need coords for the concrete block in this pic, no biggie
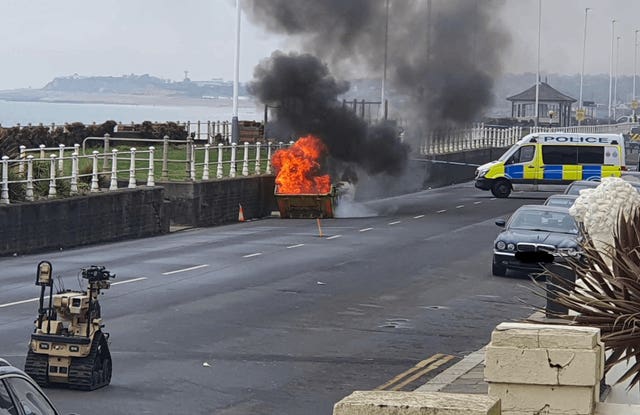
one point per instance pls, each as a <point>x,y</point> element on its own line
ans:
<point>540,399</point>
<point>416,403</point>
<point>528,335</point>
<point>543,366</point>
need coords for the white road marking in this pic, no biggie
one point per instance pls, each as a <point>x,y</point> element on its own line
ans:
<point>19,302</point>
<point>459,206</point>
<point>185,269</point>
<point>295,246</point>
<point>418,217</point>
<point>476,203</point>
<point>30,300</point>
<point>441,211</point>
<point>252,255</point>
<point>128,281</point>
<point>365,229</point>
<point>395,223</point>
<point>493,198</point>
<point>334,237</point>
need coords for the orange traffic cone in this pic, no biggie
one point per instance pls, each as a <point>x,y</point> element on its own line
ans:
<point>240,214</point>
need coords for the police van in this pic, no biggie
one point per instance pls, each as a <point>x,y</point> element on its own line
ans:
<point>543,160</point>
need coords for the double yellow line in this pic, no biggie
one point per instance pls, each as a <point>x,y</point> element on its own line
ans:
<point>416,372</point>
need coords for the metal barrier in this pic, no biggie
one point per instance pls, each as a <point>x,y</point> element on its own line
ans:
<point>198,162</point>
<point>478,137</point>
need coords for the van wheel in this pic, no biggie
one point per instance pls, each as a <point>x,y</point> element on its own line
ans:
<point>501,188</point>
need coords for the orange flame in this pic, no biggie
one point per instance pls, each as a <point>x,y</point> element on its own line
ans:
<point>298,167</point>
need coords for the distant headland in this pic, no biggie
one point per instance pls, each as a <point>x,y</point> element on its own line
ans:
<point>128,89</point>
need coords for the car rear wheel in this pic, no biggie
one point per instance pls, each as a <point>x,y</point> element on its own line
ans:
<point>501,188</point>
<point>498,270</point>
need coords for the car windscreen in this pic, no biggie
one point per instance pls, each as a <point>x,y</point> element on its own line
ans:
<point>543,220</point>
<point>574,189</point>
<point>560,202</point>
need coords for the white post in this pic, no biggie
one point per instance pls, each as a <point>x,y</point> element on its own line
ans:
<point>232,169</point>
<point>21,160</point>
<point>94,172</point>
<point>4,194</point>
<point>192,163</point>
<point>29,189</point>
<point>635,69</point>
<point>132,169</point>
<point>219,171</point>
<point>61,158</point>
<point>151,180</point>
<point>268,158</point>
<point>73,188</point>
<point>205,168</point>
<point>114,170</point>
<point>245,164</point>
<point>42,146</point>
<point>615,78</point>
<point>257,167</point>
<point>76,149</point>
<point>52,177</point>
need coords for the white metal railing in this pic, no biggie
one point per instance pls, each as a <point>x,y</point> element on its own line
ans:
<point>477,137</point>
<point>621,128</point>
<point>481,136</point>
<point>202,162</point>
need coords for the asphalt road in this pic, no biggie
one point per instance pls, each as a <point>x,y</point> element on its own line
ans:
<point>287,322</point>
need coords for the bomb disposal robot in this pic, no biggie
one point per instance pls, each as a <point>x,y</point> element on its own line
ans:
<point>68,346</point>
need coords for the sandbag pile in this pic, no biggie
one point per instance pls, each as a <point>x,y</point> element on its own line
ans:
<point>599,209</point>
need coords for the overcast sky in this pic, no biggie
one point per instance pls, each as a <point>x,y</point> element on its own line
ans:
<point>42,39</point>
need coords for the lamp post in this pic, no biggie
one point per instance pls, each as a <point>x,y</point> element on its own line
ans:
<point>584,51</point>
<point>613,37</point>
<point>235,133</point>
<point>635,73</point>
<point>537,114</point>
<point>382,112</point>
<point>615,79</point>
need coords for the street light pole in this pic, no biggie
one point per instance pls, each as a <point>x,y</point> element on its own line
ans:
<point>615,79</point>
<point>635,71</point>
<point>538,70</point>
<point>235,133</point>
<point>613,37</point>
<point>584,51</point>
<point>384,71</point>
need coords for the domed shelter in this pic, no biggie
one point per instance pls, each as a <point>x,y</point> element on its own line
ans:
<point>554,107</point>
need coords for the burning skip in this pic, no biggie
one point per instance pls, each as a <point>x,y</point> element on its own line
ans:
<point>301,191</point>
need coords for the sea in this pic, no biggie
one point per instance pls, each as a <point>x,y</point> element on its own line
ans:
<point>23,113</point>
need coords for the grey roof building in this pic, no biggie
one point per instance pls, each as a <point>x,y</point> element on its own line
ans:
<point>554,107</point>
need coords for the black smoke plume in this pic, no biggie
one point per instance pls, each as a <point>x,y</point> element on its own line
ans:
<point>304,95</point>
<point>443,54</point>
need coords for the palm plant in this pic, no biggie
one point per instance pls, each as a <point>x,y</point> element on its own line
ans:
<point>606,293</point>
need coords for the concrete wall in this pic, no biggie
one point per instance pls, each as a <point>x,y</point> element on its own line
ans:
<point>82,220</point>
<point>215,202</point>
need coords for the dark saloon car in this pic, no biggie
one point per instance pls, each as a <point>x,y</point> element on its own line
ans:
<point>535,235</point>
<point>20,395</point>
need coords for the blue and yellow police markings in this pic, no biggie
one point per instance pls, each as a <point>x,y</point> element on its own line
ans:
<point>570,172</point>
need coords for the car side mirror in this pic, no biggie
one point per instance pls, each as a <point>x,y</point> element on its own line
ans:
<point>501,223</point>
